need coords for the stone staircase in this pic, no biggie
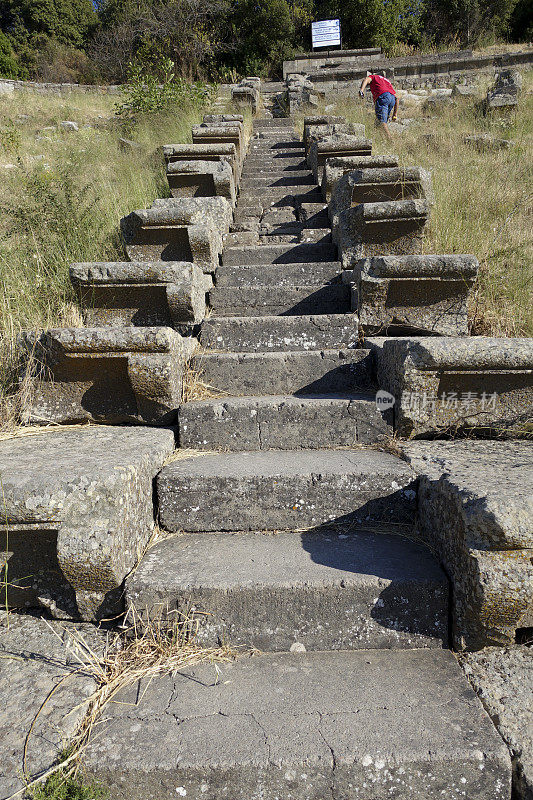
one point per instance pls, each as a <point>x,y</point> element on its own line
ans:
<point>289,523</point>
<point>295,536</point>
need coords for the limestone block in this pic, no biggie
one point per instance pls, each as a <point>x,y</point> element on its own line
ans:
<point>201,152</point>
<point>332,146</point>
<point>324,129</point>
<point>245,96</point>
<point>141,293</point>
<point>463,90</point>
<point>253,81</point>
<point>221,133</point>
<point>112,375</point>
<point>323,119</point>
<point>335,168</point>
<point>77,514</point>
<point>201,179</point>
<point>375,229</point>
<point>223,118</point>
<point>475,506</point>
<point>443,385</point>
<point>505,92</point>
<point>377,185</point>
<point>180,229</point>
<point>421,294</point>
<point>484,142</point>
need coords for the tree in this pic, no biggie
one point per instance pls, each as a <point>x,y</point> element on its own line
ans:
<point>521,22</point>
<point>67,21</point>
<point>375,23</point>
<point>468,21</point>
<point>8,63</point>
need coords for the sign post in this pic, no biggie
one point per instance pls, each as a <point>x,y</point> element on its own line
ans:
<point>326,33</point>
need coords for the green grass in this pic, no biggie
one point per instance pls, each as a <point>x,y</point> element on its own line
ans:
<point>62,200</point>
<point>59,787</point>
<point>483,201</point>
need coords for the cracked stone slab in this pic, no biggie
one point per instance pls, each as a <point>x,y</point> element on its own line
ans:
<point>290,333</point>
<point>286,490</point>
<point>281,423</point>
<point>503,679</point>
<point>475,509</point>
<point>363,588</point>
<point>36,656</point>
<point>77,513</point>
<point>368,724</point>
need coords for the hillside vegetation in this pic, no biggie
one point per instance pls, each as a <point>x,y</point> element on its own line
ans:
<point>483,198</point>
<point>62,195</point>
<point>91,42</point>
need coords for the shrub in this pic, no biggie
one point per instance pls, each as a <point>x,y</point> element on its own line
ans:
<point>8,63</point>
<point>59,787</point>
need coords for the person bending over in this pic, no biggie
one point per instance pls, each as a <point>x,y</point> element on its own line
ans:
<point>384,97</point>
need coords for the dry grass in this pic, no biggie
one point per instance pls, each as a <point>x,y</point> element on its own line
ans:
<point>194,388</point>
<point>61,198</point>
<point>139,653</point>
<point>484,200</point>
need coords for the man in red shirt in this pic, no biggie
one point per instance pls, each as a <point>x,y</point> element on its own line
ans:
<point>384,97</point>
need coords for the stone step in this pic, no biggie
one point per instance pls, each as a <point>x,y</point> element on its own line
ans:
<point>300,372</point>
<point>264,145</point>
<point>286,275</point>
<point>279,254</point>
<point>271,194</point>
<point>363,588</point>
<point>275,161</point>
<point>253,301</point>
<point>401,724</point>
<point>277,334</point>
<point>285,490</point>
<point>281,422</point>
<point>298,182</point>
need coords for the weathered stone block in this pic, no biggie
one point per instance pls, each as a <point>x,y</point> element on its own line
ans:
<point>223,118</point>
<point>322,119</point>
<point>398,294</point>
<point>201,179</point>
<point>442,385</point>
<point>180,229</point>
<point>376,229</point>
<point>504,94</point>
<point>334,146</point>
<point>245,96</point>
<point>314,133</point>
<point>221,133</point>
<point>141,293</point>
<point>106,375</point>
<point>475,506</point>
<point>77,513</point>
<point>201,152</point>
<point>335,168</point>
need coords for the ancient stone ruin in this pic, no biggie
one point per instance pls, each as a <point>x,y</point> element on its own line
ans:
<point>350,493</point>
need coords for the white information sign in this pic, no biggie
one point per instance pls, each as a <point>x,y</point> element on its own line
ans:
<point>326,33</point>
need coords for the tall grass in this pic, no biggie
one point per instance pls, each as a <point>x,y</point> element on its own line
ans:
<point>62,196</point>
<point>483,200</point>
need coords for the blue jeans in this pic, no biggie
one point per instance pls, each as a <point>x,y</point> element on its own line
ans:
<point>384,106</point>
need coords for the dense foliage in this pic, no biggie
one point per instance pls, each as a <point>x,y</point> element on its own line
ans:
<point>221,39</point>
